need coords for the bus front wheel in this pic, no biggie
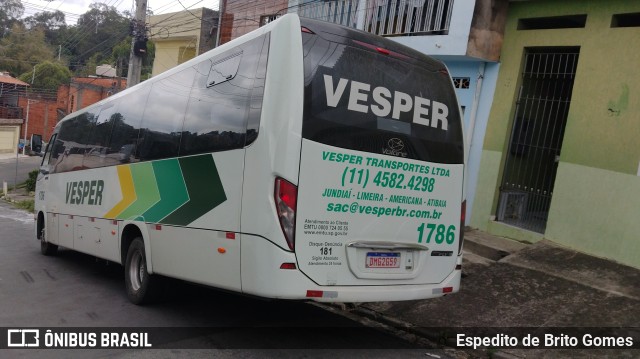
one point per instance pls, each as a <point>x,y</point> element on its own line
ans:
<point>46,248</point>
<point>140,284</point>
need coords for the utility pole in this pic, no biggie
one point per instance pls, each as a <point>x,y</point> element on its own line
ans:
<point>139,34</point>
<point>26,127</point>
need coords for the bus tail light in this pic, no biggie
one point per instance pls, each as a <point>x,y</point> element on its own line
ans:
<point>381,50</point>
<point>288,266</point>
<point>322,294</point>
<point>463,214</point>
<point>286,196</point>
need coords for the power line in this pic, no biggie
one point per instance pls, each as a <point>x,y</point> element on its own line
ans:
<point>81,35</point>
<point>163,20</point>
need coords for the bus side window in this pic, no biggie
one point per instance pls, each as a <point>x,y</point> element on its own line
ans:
<point>73,137</point>
<point>217,114</point>
<point>123,142</point>
<point>97,153</point>
<point>164,115</point>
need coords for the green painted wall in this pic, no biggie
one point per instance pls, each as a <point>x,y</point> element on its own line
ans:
<point>596,211</point>
<point>602,137</point>
<point>490,164</point>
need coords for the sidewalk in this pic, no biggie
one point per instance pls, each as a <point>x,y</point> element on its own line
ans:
<point>18,195</point>
<point>8,174</point>
<point>11,156</point>
<point>539,287</point>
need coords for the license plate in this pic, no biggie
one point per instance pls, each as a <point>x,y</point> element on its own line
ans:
<point>383,260</point>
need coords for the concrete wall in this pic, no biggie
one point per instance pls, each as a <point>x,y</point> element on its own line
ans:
<point>597,189</point>
<point>487,29</point>
<point>180,36</point>
<point>170,53</point>
<point>9,136</point>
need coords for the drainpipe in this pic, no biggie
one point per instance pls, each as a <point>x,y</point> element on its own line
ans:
<point>220,15</point>
<point>362,9</point>
<point>474,106</point>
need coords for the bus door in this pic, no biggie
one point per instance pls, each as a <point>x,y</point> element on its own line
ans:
<point>51,219</point>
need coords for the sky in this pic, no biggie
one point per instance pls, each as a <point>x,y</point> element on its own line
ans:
<point>74,8</point>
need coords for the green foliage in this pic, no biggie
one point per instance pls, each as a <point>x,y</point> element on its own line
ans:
<point>46,20</point>
<point>28,205</point>
<point>90,65</point>
<point>10,13</point>
<point>120,56</point>
<point>101,36</point>
<point>47,75</point>
<point>147,61</point>
<point>22,49</point>
<point>31,181</point>
<point>51,22</point>
<point>98,31</point>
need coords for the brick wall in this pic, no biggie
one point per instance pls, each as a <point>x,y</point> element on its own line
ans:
<point>42,116</point>
<point>44,113</point>
<point>242,16</point>
<point>85,91</point>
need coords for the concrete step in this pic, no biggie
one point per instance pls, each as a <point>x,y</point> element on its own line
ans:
<point>489,246</point>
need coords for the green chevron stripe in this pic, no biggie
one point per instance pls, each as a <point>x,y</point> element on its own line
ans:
<point>146,190</point>
<point>204,187</point>
<point>172,188</point>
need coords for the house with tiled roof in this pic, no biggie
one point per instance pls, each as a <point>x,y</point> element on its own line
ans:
<point>11,115</point>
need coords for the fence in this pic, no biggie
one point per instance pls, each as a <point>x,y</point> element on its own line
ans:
<point>10,112</point>
<point>384,17</point>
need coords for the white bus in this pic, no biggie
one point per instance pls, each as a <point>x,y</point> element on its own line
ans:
<point>304,160</point>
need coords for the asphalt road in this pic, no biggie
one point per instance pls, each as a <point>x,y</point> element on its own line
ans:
<point>75,290</point>
<point>25,165</point>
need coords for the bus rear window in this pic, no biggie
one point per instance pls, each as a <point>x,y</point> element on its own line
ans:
<point>362,99</point>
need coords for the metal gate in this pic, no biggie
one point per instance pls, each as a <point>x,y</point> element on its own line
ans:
<point>541,111</point>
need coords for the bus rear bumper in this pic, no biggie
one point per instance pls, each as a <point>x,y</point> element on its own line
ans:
<point>387,293</point>
<point>262,276</point>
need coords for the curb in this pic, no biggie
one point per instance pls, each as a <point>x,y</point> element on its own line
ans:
<point>485,251</point>
<point>431,335</point>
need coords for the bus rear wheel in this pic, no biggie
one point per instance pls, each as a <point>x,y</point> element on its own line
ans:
<point>140,284</point>
<point>46,248</point>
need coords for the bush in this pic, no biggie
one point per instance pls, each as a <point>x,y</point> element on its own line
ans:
<point>31,182</point>
<point>28,205</point>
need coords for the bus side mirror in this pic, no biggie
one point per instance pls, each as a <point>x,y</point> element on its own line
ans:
<point>36,144</point>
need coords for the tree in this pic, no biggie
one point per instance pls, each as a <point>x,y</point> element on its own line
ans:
<point>10,13</point>
<point>147,60</point>
<point>20,50</point>
<point>47,20</point>
<point>51,22</point>
<point>97,32</point>
<point>120,56</point>
<point>47,75</point>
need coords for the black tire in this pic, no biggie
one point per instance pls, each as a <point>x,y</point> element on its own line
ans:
<point>141,286</point>
<point>46,248</point>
